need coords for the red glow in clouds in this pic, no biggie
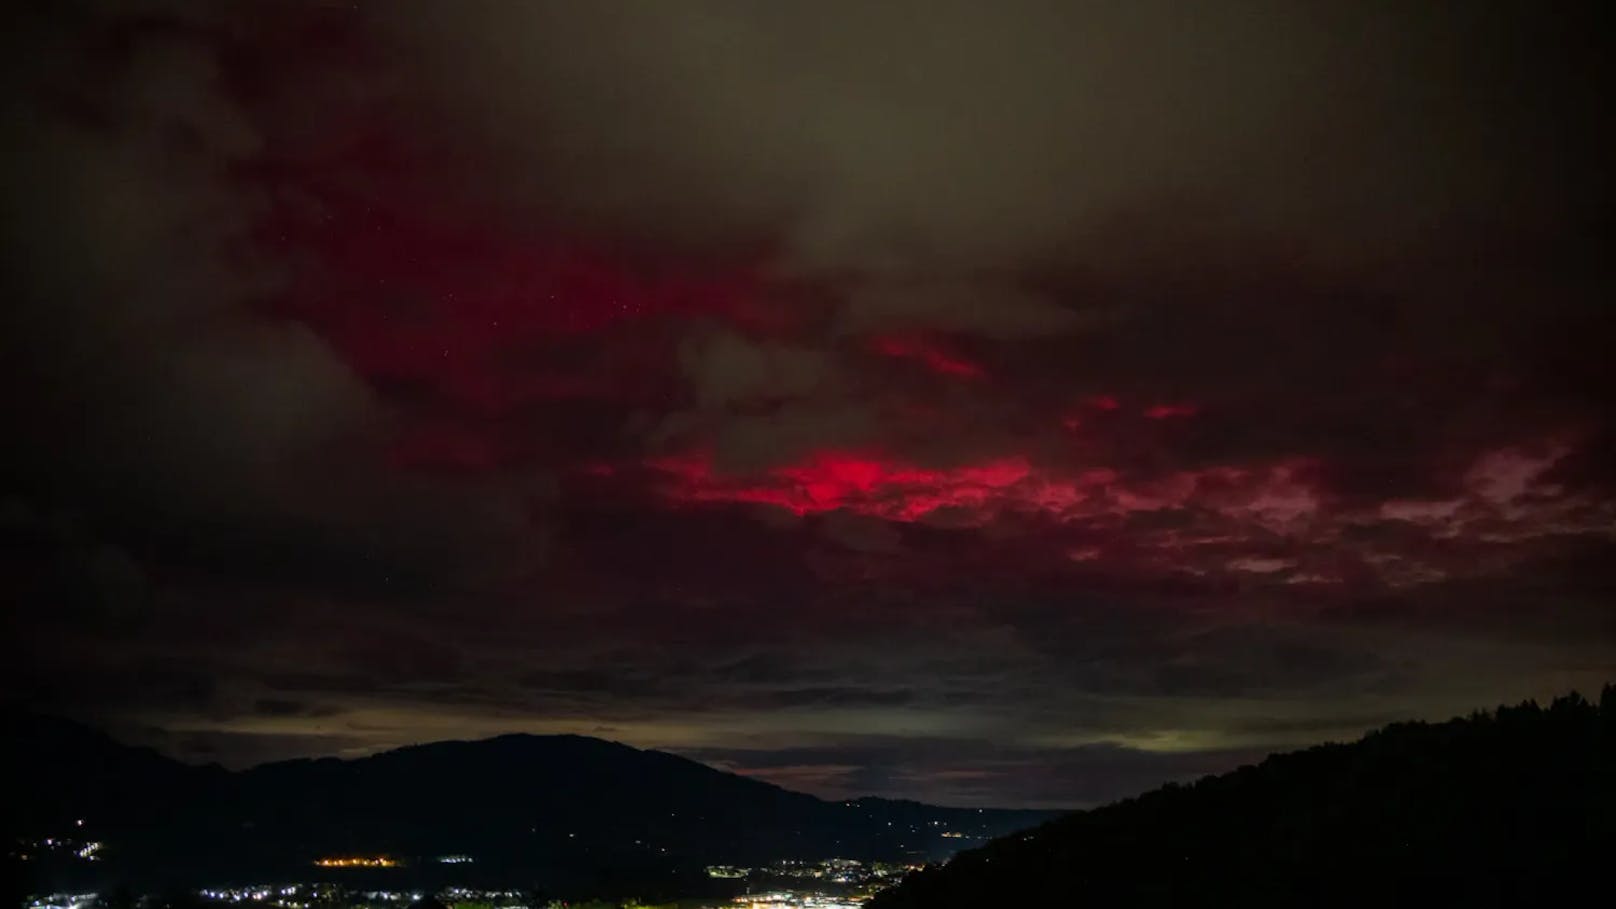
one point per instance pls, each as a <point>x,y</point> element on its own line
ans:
<point>1170,411</point>
<point>932,356</point>
<point>833,480</point>
<point>1273,495</point>
<point>464,321</point>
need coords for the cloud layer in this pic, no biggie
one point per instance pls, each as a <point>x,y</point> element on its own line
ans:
<point>1024,404</point>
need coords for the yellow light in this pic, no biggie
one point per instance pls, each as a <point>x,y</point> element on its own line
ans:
<point>379,861</point>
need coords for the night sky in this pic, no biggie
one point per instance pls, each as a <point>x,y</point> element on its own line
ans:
<point>991,403</point>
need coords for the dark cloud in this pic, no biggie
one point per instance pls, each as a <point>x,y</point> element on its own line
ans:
<point>280,707</point>
<point>237,750</point>
<point>157,398</point>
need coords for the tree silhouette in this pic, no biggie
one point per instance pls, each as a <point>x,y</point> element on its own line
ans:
<point>1511,808</point>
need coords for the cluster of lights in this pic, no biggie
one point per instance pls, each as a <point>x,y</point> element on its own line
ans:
<point>864,878</point>
<point>255,893</point>
<point>855,882</point>
<point>297,896</point>
<point>87,850</point>
<point>786,899</point>
<point>62,901</point>
<point>308,895</point>
<point>373,861</point>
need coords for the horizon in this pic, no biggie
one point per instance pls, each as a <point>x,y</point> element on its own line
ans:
<point>983,404</point>
<point>132,739</point>
<point>195,761</point>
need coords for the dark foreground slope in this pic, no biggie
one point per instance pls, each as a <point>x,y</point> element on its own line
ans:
<point>1513,808</point>
<point>558,810</point>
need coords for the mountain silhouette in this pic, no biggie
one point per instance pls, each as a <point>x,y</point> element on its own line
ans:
<point>1511,808</point>
<point>571,811</point>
